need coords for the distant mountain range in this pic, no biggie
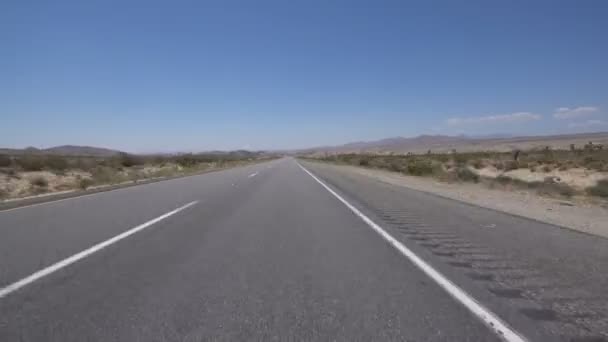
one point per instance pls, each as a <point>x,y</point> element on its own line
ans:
<point>90,151</point>
<point>461,143</point>
<point>64,150</point>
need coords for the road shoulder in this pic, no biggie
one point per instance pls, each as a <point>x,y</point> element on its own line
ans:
<point>582,217</point>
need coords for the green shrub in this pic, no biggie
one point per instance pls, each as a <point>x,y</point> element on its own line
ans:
<point>419,167</point>
<point>600,189</point>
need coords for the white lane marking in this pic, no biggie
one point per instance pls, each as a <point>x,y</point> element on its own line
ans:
<point>489,318</point>
<point>5,291</point>
<point>252,175</point>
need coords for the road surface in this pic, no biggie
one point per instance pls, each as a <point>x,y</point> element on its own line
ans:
<point>275,252</point>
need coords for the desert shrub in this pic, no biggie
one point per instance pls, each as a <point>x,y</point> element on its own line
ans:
<point>129,160</point>
<point>588,159</point>
<point>31,162</point>
<point>550,187</point>
<point>364,161</point>
<point>395,166</point>
<point>85,183</point>
<point>597,165</point>
<point>3,194</point>
<point>466,175</point>
<point>547,168</point>
<point>419,167</point>
<point>461,158</point>
<point>478,164</point>
<point>85,164</point>
<point>564,166</point>
<point>441,157</point>
<point>503,180</point>
<point>600,189</point>
<point>5,161</point>
<point>186,160</point>
<point>511,165</point>
<point>39,181</point>
<point>56,163</point>
<point>12,173</point>
<point>104,175</point>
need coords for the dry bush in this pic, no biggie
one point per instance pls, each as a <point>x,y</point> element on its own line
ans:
<point>129,160</point>
<point>547,168</point>
<point>552,188</point>
<point>39,182</point>
<point>85,183</point>
<point>104,175</point>
<point>30,162</point>
<point>600,189</point>
<point>56,163</point>
<point>478,164</point>
<point>5,161</point>
<point>466,175</point>
<point>547,187</point>
<point>511,165</point>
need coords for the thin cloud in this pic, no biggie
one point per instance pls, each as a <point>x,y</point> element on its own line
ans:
<point>565,113</point>
<point>518,117</point>
<point>587,124</point>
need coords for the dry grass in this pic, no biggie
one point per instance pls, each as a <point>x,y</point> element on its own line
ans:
<point>562,173</point>
<point>30,174</point>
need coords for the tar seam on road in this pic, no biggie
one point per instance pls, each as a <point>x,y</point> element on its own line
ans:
<point>489,318</point>
<point>5,291</point>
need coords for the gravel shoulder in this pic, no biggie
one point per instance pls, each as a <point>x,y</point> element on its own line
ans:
<point>578,215</point>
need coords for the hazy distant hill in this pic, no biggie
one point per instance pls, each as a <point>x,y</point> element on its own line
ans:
<point>462,143</point>
<point>66,150</point>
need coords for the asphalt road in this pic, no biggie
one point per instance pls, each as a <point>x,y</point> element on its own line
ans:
<point>265,252</point>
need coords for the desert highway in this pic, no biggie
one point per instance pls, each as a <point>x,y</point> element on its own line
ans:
<point>292,251</point>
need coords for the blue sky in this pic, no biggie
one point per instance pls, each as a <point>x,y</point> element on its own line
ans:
<point>148,76</point>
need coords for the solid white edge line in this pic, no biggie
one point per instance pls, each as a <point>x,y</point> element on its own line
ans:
<point>5,291</point>
<point>490,319</point>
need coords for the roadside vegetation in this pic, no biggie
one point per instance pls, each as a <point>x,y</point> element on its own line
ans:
<point>564,173</point>
<point>30,174</point>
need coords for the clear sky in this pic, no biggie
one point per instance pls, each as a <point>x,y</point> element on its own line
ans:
<point>150,76</point>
